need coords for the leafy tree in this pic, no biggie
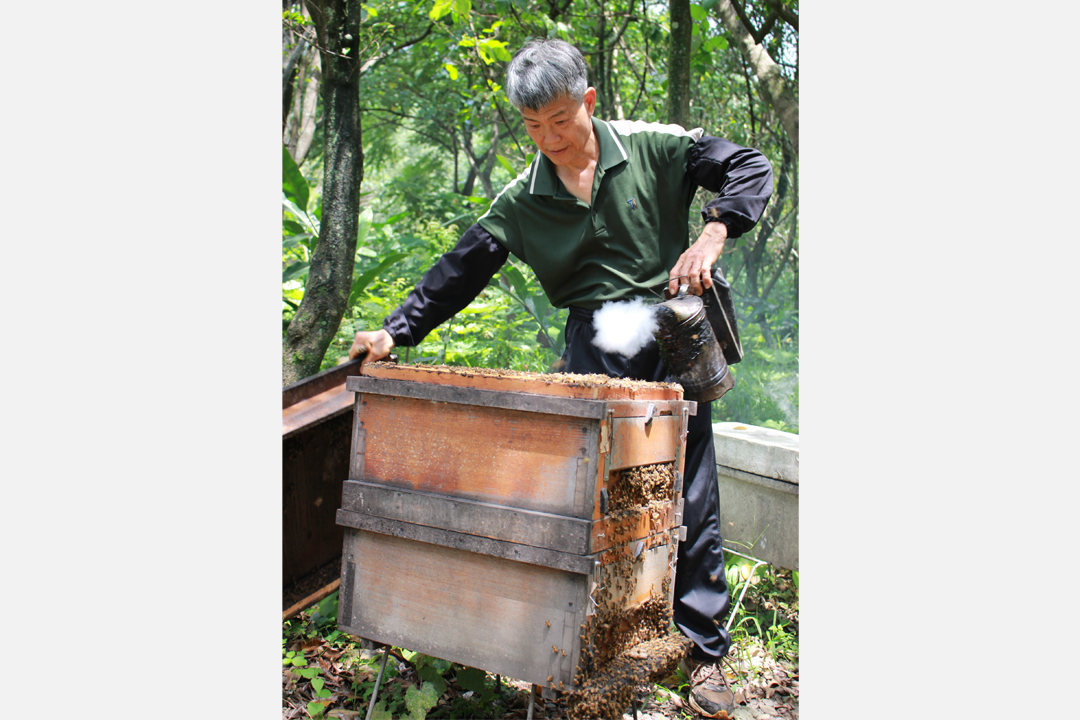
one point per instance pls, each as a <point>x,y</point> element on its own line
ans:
<point>440,140</point>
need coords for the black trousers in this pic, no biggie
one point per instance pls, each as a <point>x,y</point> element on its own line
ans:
<point>701,593</point>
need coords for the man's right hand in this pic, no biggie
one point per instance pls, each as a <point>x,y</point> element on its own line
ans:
<point>378,344</point>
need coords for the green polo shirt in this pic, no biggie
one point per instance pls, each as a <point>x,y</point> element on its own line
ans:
<point>629,239</point>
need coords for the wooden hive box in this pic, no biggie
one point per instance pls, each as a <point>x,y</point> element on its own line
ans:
<point>519,523</point>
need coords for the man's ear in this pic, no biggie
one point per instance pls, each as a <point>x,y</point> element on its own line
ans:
<point>590,100</point>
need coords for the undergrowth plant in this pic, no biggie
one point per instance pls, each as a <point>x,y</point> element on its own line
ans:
<point>769,613</point>
<point>421,687</point>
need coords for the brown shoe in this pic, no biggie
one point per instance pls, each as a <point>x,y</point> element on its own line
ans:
<point>710,694</point>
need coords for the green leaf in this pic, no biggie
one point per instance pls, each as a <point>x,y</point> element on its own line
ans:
<point>316,708</point>
<point>317,683</point>
<point>428,696</point>
<point>442,7</point>
<point>462,8</point>
<point>296,270</point>
<point>452,70</point>
<point>363,225</point>
<point>394,218</point>
<point>517,280</point>
<point>506,164</point>
<point>300,215</point>
<point>293,183</point>
<point>372,12</point>
<point>381,713</point>
<point>308,673</point>
<point>430,675</point>
<point>292,226</point>
<point>412,703</point>
<point>418,702</point>
<point>698,13</point>
<point>470,678</point>
<point>361,282</point>
<point>496,48</point>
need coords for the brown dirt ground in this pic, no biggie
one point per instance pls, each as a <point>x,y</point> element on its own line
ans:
<point>767,690</point>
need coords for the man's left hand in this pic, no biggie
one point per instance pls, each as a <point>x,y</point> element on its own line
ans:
<point>696,263</point>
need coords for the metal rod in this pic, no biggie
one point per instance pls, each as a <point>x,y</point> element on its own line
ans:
<point>746,585</point>
<point>375,690</point>
<point>532,700</point>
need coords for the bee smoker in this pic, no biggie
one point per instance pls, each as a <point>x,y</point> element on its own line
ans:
<point>690,349</point>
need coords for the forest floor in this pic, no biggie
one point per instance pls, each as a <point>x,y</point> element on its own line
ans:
<point>767,689</point>
<point>326,674</point>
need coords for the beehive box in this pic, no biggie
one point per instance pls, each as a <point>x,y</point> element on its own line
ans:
<point>520,523</point>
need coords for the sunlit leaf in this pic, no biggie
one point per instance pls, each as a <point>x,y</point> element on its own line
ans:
<point>363,225</point>
<point>462,8</point>
<point>293,183</point>
<point>442,7</point>
<point>506,164</point>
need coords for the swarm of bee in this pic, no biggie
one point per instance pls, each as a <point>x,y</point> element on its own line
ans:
<point>622,647</point>
<point>643,488</point>
<point>609,692</point>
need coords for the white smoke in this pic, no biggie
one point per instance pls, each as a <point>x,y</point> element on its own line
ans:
<point>624,327</point>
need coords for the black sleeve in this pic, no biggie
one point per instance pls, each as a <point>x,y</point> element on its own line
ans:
<point>451,284</point>
<point>742,177</point>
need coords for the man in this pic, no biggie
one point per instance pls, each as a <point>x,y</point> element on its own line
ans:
<point>601,215</point>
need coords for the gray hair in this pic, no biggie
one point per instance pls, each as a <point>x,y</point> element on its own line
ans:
<point>543,71</point>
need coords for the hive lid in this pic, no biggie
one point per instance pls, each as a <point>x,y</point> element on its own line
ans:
<point>591,387</point>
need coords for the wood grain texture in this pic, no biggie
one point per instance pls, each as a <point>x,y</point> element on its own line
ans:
<point>569,562</point>
<point>507,457</point>
<point>318,383</point>
<point>493,614</point>
<point>314,410</point>
<point>530,402</point>
<point>314,464</point>
<point>499,522</point>
<point>633,442</point>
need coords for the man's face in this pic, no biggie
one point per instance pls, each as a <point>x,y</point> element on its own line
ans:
<point>562,129</point>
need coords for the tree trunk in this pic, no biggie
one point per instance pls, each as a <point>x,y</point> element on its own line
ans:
<point>288,81</point>
<point>677,107</point>
<point>773,85</point>
<point>329,280</point>
<point>307,111</point>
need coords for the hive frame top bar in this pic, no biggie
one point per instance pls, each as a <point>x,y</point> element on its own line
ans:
<point>528,402</point>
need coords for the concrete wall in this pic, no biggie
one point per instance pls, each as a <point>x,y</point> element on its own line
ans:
<point>759,491</point>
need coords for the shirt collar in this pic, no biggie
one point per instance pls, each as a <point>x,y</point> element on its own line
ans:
<point>543,180</point>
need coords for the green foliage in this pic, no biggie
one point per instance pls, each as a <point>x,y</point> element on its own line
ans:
<point>769,613</point>
<point>418,702</point>
<point>431,112</point>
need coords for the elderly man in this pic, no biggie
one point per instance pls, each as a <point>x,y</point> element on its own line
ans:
<point>601,215</point>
